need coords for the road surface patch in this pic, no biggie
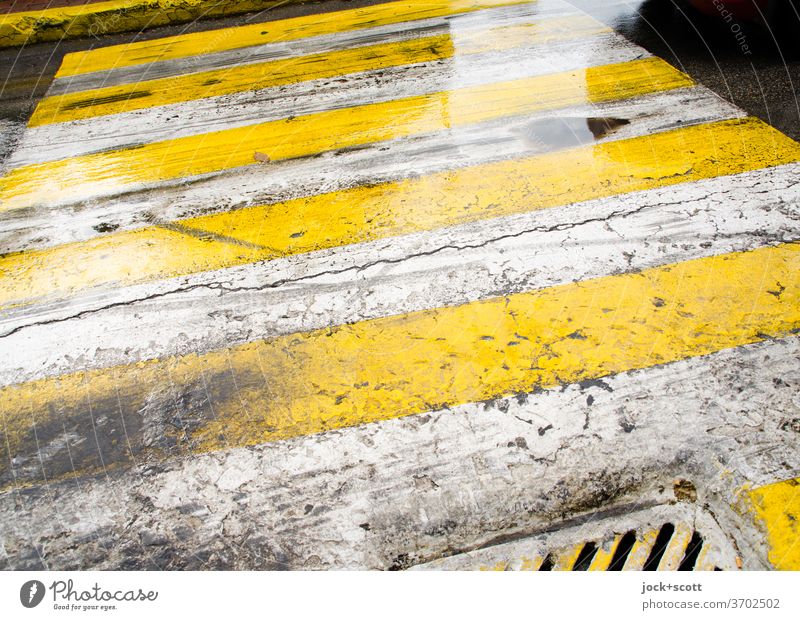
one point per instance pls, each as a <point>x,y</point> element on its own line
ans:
<point>433,485</point>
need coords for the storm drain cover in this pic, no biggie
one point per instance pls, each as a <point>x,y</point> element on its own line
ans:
<point>661,538</point>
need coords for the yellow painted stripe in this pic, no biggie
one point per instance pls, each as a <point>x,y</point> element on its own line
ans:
<point>640,551</point>
<point>73,10</point>
<point>528,564</point>
<point>150,93</point>
<point>565,558</point>
<point>605,553</point>
<point>195,44</point>
<point>330,130</point>
<point>146,94</point>
<point>368,213</point>
<point>380,369</point>
<point>676,548</point>
<point>495,568</point>
<point>97,18</point>
<point>777,507</point>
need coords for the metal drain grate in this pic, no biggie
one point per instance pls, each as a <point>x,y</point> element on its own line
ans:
<point>662,538</point>
<point>670,548</point>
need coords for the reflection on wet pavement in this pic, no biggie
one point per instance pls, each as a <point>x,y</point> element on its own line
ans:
<point>748,64</point>
<point>549,134</point>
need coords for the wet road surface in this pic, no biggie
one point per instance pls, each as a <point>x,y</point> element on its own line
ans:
<point>763,80</point>
<point>489,260</point>
<point>746,64</point>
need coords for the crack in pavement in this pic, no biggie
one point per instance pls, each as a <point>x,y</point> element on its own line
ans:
<point>332,272</point>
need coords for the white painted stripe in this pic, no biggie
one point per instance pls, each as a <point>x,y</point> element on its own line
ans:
<point>285,50</point>
<point>413,489</point>
<point>74,138</point>
<point>505,138</point>
<point>451,266</point>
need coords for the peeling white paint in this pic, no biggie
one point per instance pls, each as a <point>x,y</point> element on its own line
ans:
<point>309,497</point>
<point>380,162</point>
<point>451,266</point>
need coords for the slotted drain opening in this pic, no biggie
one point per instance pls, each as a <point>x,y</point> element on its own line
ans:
<point>659,538</point>
<point>626,545</point>
<point>622,551</point>
<point>660,547</point>
<point>693,550</point>
<point>585,557</point>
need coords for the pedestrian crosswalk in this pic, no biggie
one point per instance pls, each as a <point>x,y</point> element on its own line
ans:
<point>363,213</point>
<point>129,168</point>
<point>142,91</point>
<point>341,376</point>
<point>282,32</point>
<point>316,231</point>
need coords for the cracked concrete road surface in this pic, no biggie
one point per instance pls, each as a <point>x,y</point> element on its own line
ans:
<point>453,284</point>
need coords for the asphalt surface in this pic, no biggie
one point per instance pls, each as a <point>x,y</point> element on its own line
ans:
<point>764,82</point>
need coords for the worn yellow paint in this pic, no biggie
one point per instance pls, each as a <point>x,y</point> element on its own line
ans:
<point>115,171</point>
<point>676,549</point>
<point>495,568</point>
<point>195,44</point>
<point>545,30</point>
<point>564,559</point>
<point>379,369</point>
<point>705,559</point>
<point>150,93</point>
<point>528,564</point>
<point>97,18</point>
<point>640,551</point>
<point>605,553</point>
<point>777,507</point>
<point>163,91</point>
<point>368,213</point>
